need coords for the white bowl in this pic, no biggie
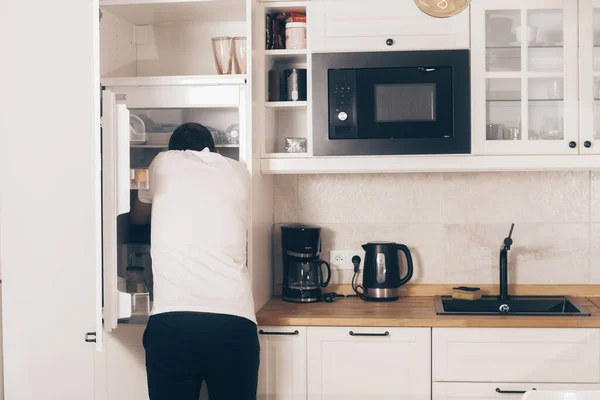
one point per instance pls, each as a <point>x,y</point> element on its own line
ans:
<point>531,34</point>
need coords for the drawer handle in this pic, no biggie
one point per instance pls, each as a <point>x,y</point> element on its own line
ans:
<point>279,333</point>
<point>498,390</point>
<point>386,333</point>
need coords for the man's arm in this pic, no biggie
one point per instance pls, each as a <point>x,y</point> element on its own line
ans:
<point>140,212</point>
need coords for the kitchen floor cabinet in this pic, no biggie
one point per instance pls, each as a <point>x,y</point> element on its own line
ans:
<point>374,363</point>
<point>494,391</point>
<point>282,374</point>
<point>524,57</point>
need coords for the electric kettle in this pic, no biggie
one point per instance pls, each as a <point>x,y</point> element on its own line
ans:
<point>381,273</point>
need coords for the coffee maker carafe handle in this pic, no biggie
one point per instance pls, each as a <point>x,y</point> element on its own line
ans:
<point>321,283</point>
<point>409,264</point>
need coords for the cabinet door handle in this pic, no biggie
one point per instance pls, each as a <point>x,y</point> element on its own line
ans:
<point>498,390</point>
<point>386,333</point>
<point>279,333</point>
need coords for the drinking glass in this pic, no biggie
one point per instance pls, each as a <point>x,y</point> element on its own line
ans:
<point>555,90</point>
<point>223,53</point>
<point>552,128</point>
<point>239,60</point>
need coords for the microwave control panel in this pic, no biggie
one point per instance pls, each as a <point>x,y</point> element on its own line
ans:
<point>342,104</point>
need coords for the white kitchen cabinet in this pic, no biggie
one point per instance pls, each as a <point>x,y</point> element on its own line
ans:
<point>50,251</point>
<point>282,374</point>
<point>495,391</point>
<point>373,363</point>
<point>165,38</point>
<point>1,351</point>
<point>589,76</point>
<point>382,25</point>
<point>524,63</point>
<point>516,355</point>
<point>125,360</point>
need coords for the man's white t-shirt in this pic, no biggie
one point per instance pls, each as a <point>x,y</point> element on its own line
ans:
<point>199,227</point>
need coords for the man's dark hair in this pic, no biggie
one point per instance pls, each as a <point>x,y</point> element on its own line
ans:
<point>192,136</point>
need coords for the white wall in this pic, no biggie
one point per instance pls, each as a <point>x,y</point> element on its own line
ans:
<point>454,223</point>
<point>49,200</point>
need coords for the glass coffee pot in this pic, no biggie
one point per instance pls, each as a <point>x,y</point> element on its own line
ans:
<point>307,274</point>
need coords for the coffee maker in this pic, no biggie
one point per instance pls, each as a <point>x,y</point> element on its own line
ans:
<point>303,280</point>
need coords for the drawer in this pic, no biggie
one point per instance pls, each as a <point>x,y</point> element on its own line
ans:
<point>496,391</point>
<point>516,355</point>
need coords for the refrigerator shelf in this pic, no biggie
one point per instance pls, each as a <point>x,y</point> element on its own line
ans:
<point>134,308</point>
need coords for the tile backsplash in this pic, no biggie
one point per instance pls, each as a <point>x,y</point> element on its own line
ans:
<point>454,223</point>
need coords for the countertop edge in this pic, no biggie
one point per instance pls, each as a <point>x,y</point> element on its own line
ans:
<point>274,314</point>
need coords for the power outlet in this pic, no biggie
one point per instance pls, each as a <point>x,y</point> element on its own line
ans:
<point>342,259</point>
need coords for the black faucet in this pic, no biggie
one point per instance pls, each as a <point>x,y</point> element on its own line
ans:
<point>504,264</point>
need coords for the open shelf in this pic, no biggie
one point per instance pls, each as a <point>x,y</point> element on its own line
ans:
<point>286,155</point>
<point>161,146</point>
<point>287,57</point>
<point>286,104</point>
<point>282,6</point>
<point>150,12</point>
<point>286,52</point>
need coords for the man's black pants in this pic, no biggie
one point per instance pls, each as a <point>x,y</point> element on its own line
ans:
<point>184,349</point>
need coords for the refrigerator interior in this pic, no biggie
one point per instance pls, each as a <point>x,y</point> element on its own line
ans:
<point>150,132</point>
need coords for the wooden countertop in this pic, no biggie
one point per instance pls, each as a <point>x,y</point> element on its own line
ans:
<point>408,312</point>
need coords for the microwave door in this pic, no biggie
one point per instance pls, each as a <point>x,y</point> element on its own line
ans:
<point>405,103</point>
<point>115,206</point>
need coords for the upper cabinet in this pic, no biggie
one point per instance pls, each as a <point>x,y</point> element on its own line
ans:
<point>589,75</point>
<point>382,25</point>
<point>524,77</point>
<point>167,38</point>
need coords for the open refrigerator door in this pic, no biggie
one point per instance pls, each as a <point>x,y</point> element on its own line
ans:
<point>115,206</point>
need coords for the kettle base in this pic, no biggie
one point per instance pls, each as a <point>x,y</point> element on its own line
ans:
<point>379,299</point>
<point>381,294</point>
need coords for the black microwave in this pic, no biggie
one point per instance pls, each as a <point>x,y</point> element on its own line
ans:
<point>383,103</point>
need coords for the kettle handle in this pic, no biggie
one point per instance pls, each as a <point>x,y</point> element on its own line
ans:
<point>409,264</point>
<point>324,284</point>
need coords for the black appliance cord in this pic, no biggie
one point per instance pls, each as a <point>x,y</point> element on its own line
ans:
<point>356,262</point>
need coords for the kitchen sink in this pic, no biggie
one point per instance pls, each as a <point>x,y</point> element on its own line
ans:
<point>515,305</point>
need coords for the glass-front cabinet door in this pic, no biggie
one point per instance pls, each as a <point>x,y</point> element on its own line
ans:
<point>524,77</point>
<point>589,75</point>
